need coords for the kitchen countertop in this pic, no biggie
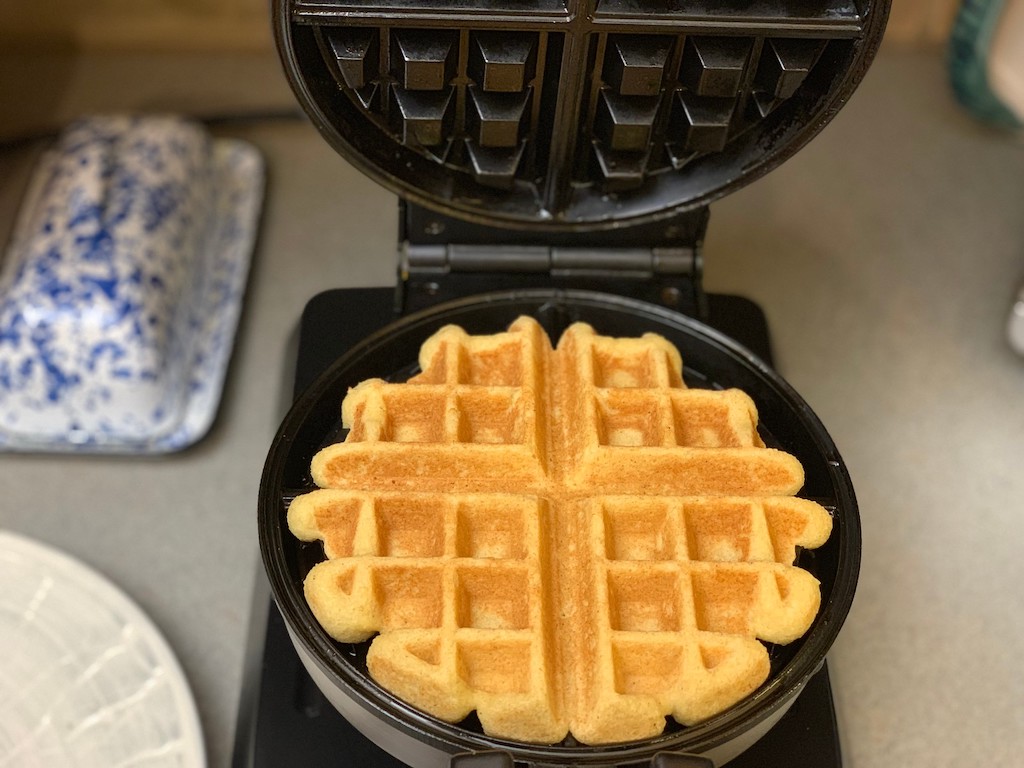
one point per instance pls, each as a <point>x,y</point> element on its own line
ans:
<point>886,255</point>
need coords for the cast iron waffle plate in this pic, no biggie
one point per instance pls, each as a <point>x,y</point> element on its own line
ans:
<point>548,113</point>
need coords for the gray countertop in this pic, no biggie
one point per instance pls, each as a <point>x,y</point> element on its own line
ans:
<point>886,255</point>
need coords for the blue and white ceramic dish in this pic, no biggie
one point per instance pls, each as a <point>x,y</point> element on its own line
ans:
<point>122,286</point>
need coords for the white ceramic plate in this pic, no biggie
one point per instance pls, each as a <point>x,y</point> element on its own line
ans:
<point>86,680</point>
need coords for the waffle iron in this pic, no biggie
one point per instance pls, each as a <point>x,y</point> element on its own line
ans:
<point>555,158</point>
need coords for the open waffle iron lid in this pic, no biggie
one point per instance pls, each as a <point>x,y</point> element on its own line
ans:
<point>572,115</point>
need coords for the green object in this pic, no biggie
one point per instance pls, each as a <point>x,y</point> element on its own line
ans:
<point>969,45</point>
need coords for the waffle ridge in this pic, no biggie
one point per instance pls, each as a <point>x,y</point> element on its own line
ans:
<point>565,540</point>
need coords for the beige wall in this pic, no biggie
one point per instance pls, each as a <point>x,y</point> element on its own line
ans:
<point>921,21</point>
<point>136,25</point>
<point>243,24</point>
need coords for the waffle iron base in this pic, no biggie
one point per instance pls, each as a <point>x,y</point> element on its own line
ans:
<point>283,717</point>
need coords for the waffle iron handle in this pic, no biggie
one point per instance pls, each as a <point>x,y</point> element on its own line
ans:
<point>499,759</point>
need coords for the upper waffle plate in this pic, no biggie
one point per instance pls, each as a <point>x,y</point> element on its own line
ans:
<point>571,114</point>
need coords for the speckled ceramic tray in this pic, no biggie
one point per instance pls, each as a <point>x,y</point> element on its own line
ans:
<point>122,287</point>
<point>87,679</point>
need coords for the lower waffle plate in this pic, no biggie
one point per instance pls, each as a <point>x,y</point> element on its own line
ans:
<point>711,360</point>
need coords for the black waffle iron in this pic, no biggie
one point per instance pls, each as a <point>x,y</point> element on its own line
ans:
<point>553,158</point>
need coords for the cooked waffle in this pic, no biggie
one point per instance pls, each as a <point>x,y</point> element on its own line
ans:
<point>564,540</point>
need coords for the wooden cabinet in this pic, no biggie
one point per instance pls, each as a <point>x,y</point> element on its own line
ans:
<point>229,25</point>
<point>130,25</point>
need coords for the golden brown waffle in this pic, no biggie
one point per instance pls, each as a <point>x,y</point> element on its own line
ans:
<point>563,540</point>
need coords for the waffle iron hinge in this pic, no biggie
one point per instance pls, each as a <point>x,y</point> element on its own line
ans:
<point>441,258</point>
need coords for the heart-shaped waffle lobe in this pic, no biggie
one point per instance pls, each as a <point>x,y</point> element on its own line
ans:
<point>563,540</point>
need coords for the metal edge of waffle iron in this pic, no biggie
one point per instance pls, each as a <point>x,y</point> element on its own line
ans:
<point>420,740</point>
<point>571,115</point>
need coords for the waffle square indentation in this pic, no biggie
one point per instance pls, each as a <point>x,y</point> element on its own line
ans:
<point>723,598</point>
<point>495,666</point>
<point>488,417</point>
<point>642,601</point>
<point>637,529</point>
<point>492,598</point>
<point>613,369</point>
<point>720,531</point>
<point>406,527</point>
<point>710,422</point>
<point>427,650</point>
<point>336,521</point>
<point>499,366</point>
<point>645,667</point>
<point>630,418</point>
<point>489,529</point>
<point>409,596</point>
<point>415,417</point>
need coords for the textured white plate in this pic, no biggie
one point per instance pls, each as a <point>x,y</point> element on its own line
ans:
<point>86,680</point>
